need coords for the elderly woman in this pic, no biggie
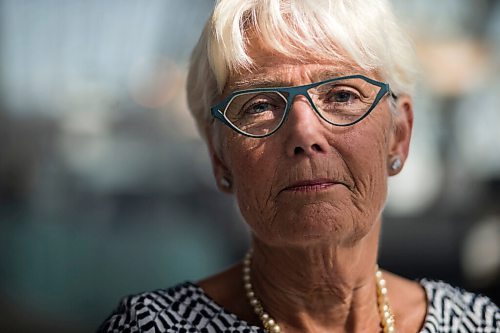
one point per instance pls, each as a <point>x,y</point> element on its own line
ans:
<point>306,109</point>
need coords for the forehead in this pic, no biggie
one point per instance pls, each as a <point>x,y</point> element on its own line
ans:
<point>273,70</point>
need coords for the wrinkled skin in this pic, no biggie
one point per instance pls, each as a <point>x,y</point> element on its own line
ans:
<point>306,147</point>
<point>315,250</point>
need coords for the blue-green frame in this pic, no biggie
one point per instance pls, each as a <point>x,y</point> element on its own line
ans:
<point>293,91</point>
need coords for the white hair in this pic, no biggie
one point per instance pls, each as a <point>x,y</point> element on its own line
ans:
<point>363,30</point>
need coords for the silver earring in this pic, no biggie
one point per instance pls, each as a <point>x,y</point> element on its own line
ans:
<point>396,164</point>
<point>225,182</point>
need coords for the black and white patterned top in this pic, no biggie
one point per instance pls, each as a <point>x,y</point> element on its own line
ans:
<point>186,308</point>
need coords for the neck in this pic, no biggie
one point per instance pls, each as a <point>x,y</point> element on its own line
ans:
<point>320,287</point>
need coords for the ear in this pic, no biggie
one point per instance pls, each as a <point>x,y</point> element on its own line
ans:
<point>223,177</point>
<point>401,133</point>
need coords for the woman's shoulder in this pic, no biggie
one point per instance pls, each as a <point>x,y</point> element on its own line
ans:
<point>452,309</point>
<point>182,308</point>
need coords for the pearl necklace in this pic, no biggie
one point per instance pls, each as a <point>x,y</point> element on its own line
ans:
<point>270,325</point>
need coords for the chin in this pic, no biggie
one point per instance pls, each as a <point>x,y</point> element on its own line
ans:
<point>314,224</point>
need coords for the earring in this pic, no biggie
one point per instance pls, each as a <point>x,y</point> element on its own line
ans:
<point>225,182</point>
<point>396,164</point>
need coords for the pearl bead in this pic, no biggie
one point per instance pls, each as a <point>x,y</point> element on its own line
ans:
<point>275,329</point>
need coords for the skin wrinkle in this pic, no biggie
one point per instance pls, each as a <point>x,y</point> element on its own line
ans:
<point>270,196</point>
<point>319,228</point>
<point>363,190</point>
<point>267,214</point>
<point>262,80</point>
<point>322,291</point>
<point>274,215</point>
<point>311,170</point>
<point>314,255</point>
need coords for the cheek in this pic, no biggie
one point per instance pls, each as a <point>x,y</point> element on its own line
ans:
<point>366,156</point>
<point>344,214</point>
<point>253,173</point>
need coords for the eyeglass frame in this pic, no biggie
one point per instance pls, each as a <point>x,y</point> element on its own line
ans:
<point>293,91</point>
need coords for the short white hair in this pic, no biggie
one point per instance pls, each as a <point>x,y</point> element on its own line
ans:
<point>364,30</point>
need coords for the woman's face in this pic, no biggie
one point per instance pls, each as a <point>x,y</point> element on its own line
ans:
<point>310,181</point>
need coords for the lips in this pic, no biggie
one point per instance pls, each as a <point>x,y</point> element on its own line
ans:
<point>314,185</point>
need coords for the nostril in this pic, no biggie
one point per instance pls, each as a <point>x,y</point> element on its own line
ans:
<point>298,150</point>
<point>316,147</point>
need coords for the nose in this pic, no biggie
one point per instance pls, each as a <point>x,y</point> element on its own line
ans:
<point>305,131</point>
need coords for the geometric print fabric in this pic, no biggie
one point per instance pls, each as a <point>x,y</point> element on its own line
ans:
<point>186,308</point>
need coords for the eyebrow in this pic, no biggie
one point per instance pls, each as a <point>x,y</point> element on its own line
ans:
<point>329,73</point>
<point>257,81</point>
<point>263,80</point>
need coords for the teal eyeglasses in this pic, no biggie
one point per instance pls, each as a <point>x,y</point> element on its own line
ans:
<point>341,101</point>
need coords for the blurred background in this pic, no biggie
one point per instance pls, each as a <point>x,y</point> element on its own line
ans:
<point>106,188</point>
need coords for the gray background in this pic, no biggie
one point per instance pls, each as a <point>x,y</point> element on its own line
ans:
<point>106,188</point>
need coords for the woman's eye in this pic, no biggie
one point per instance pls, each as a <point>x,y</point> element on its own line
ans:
<point>258,108</point>
<point>341,97</point>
